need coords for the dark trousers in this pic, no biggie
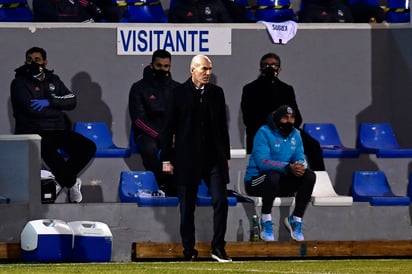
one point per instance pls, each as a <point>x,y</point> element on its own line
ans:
<point>272,184</point>
<point>313,151</point>
<point>187,195</point>
<point>79,148</point>
<point>149,151</point>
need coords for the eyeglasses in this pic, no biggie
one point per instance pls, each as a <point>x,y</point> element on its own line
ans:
<point>275,66</point>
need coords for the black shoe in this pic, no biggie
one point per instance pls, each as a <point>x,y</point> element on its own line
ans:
<point>219,254</point>
<point>191,256</point>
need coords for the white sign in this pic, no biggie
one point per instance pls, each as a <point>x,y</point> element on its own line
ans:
<point>176,40</point>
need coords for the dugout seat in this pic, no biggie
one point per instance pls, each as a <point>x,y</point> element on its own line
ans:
<point>15,11</point>
<point>204,198</point>
<point>144,11</point>
<point>380,139</point>
<point>141,187</point>
<point>327,136</point>
<point>373,187</point>
<point>397,11</point>
<point>100,134</point>
<point>274,11</point>
<point>324,193</point>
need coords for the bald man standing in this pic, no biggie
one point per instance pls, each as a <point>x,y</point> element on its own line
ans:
<point>195,147</point>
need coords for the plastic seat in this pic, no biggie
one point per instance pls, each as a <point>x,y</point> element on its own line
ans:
<point>100,134</point>
<point>142,11</point>
<point>137,187</point>
<point>397,11</point>
<point>380,140</point>
<point>15,11</point>
<point>274,11</point>
<point>373,187</point>
<point>204,198</point>
<point>324,193</point>
<point>327,135</point>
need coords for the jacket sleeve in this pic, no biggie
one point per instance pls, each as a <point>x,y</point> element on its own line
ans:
<point>223,123</point>
<point>292,102</point>
<point>138,113</point>
<point>166,135</point>
<point>262,156</point>
<point>61,98</point>
<point>299,155</point>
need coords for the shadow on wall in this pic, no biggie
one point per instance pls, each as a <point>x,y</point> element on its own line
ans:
<point>390,100</point>
<point>90,106</point>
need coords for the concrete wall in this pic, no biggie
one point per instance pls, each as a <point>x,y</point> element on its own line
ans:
<point>344,74</point>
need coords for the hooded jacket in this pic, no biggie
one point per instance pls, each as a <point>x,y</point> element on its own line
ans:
<point>271,151</point>
<point>147,103</point>
<point>25,88</point>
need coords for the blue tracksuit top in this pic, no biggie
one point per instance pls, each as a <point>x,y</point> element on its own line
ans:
<point>271,151</point>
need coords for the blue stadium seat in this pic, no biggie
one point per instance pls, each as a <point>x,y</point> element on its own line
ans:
<point>138,186</point>
<point>99,133</point>
<point>373,187</point>
<point>204,198</point>
<point>327,135</point>
<point>274,11</point>
<point>144,11</point>
<point>15,11</point>
<point>380,139</point>
<point>398,11</point>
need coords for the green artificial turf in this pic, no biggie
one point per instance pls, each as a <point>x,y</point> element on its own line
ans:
<point>290,266</point>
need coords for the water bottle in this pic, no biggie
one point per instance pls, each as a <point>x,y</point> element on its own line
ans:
<point>255,229</point>
<point>239,232</point>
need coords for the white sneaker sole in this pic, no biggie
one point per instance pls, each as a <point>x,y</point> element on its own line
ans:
<point>289,227</point>
<point>220,260</point>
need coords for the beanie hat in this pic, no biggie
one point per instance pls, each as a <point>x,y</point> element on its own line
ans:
<point>280,112</point>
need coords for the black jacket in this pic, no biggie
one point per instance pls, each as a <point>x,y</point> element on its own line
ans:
<point>191,149</point>
<point>25,87</point>
<point>148,99</point>
<point>261,97</point>
<point>198,11</point>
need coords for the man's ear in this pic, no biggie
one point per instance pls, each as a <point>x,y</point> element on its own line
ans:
<point>45,63</point>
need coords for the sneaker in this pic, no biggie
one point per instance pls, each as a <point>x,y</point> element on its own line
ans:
<point>75,196</point>
<point>219,254</point>
<point>295,229</point>
<point>266,231</point>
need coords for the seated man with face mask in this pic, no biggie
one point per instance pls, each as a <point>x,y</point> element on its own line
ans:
<point>277,168</point>
<point>261,96</point>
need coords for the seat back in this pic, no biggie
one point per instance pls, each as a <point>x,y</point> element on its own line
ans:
<point>144,11</point>
<point>95,131</point>
<point>368,184</point>
<point>325,133</point>
<point>274,10</point>
<point>372,137</point>
<point>15,11</point>
<point>132,182</point>
<point>397,11</point>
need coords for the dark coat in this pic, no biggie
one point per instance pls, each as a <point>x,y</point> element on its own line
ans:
<point>147,103</point>
<point>25,87</point>
<point>261,97</point>
<point>183,121</point>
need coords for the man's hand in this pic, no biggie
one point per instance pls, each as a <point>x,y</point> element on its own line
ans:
<point>167,167</point>
<point>39,104</point>
<point>297,169</point>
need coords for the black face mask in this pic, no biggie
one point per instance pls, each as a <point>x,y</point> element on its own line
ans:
<point>269,73</point>
<point>35,69</point>
<point>160,74</point>
<point>285,128</point>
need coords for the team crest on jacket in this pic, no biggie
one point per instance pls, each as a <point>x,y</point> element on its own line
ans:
<point>208,10</point>
<point>52,87</point>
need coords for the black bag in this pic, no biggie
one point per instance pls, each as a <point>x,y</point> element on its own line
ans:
<point>48,191</point>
